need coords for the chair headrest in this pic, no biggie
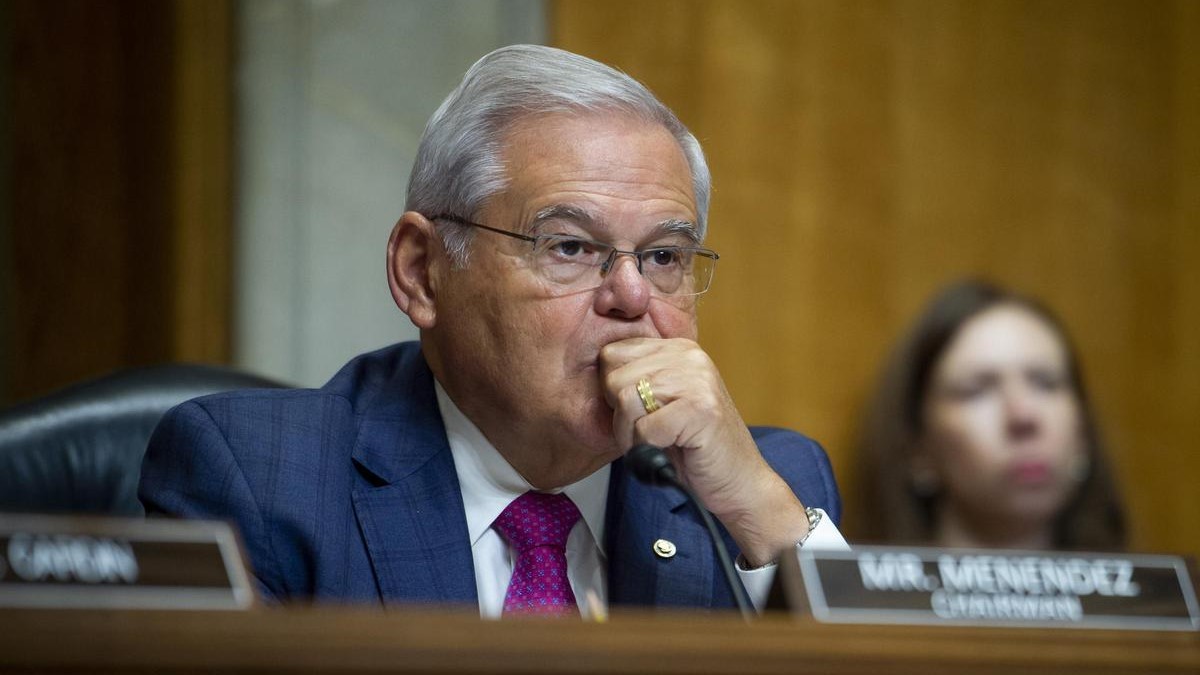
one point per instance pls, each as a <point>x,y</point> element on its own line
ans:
<point>80,449</point>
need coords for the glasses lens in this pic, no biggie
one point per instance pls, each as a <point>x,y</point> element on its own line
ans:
<point>567,260</point>
<point>667,268</point>
<point>702,271</point>
<point>678,271</point>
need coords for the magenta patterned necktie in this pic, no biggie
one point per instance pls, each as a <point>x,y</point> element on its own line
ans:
<point>536,525</point>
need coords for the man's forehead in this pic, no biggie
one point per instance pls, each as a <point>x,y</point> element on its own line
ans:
<point>601,138</point>
<point>597,171</point>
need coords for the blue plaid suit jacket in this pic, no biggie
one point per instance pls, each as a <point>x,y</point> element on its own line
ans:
<point>348,493</point>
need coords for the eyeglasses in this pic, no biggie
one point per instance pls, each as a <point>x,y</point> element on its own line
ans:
<point>572,262</point>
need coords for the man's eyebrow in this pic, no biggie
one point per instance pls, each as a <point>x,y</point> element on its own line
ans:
<point>584,218</point>
<point>574,214</point>
<point>679,226</point>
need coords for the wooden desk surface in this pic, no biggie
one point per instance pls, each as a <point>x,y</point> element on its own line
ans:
<point>343,640</point>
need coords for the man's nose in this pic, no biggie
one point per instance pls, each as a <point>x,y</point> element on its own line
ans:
<point>623,292</point>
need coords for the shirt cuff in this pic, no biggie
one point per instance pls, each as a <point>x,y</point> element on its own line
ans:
<point>757,582</point>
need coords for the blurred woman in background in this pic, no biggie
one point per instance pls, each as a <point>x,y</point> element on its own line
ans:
<point>982,435</point>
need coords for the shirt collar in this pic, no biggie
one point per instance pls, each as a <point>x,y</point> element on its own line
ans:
<point>489,483</point>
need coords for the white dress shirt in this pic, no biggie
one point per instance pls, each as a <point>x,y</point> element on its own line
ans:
<point>489,484</point>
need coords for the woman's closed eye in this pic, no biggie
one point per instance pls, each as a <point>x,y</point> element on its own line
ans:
<point>1047,379</point>
<point>971,388</point>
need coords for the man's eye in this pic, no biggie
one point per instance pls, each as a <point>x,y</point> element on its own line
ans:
<point>568,249</point>
<point>664,257</point>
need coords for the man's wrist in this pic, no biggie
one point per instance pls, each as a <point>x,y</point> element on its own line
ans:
<point>814,519</point>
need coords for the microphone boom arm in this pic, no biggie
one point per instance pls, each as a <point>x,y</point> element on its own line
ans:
<point>651,465</point>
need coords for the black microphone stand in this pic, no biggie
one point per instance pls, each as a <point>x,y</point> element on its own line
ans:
<point>651,465</point>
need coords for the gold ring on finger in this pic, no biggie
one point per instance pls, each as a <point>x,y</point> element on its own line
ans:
<point>647,395</point>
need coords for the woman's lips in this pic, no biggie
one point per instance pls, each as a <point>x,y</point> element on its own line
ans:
<point>1030,473</point>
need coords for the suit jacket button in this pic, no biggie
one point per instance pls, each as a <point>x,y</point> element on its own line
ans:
<point>664,549</point>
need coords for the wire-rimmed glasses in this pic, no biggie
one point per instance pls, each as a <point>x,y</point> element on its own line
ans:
<point>580,263</point>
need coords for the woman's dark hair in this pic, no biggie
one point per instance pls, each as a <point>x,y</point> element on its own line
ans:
<point>893,509</point>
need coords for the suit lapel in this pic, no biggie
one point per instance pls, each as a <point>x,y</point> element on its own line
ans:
<point>638,516</point>
<point>407,501</point>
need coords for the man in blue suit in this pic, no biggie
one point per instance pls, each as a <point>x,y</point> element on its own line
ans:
<point>551,256</point>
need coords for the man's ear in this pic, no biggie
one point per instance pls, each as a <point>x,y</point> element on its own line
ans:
<point>413,250</point>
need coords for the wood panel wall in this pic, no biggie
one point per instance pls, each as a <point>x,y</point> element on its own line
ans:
<point>119,191</point>
<point>867,152</point>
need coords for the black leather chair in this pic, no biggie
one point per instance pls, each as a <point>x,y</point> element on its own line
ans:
<point>79,450</point>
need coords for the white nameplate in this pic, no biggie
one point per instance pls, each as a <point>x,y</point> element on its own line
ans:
<point>999,588</point>
<point>120,563</point>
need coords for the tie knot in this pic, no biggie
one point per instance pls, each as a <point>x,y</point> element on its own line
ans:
<point>538,519</point>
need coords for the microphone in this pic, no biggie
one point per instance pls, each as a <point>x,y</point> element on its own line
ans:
<point>650,465</point>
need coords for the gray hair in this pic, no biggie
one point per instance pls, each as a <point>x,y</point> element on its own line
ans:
<point>458,165</point>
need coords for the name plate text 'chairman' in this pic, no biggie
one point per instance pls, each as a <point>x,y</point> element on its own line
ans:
<point>998,587</point>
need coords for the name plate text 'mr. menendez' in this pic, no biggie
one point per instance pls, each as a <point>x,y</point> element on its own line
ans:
<point>976,587</point>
